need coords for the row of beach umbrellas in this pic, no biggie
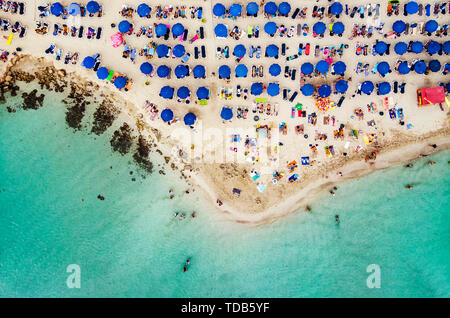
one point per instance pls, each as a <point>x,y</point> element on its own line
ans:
<point>189,119</point>
<point>161,29</point>
<point>401,48</point>
<point>167,92</point>
<point>74,8</point>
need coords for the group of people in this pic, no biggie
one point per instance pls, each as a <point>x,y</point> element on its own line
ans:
<point>68,58</point>
<point>13,7</point>
<point>45,11</point>
<point>17,27</point>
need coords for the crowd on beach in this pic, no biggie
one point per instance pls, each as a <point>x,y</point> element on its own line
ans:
<point>13,7</point>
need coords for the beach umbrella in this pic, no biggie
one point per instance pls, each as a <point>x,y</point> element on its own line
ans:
<point>92,7</point>
<point>162,50</point>
<point>336,8</point>
<point>272,50</point>
<point>420,67</point>
<point>189,119</point>
<point>224,71</point>
<point>403,68</point>
<point>163,71</point>
<point>367,87</point>
<point>252,8</point>
<point>338,28</point>
<point>434,65</point>
<point>431,26</point>
<point>226,113</point>
<point>412,7</point>
<point>202,93</point>
<point>178,50</point>
<point>446,47</point>
<point>417,47</point>
<point>181,71</point>
<point>199,71</point>
<point>307,89</point>
<point>383,68</point>
<point>219,10</point>
<point>116,39</point>
<point>241,70</point>
<point>102,73</point>
<point>401,48</point>
<point>399,26</point>
<point>433,47</point>
<point>256,89</point>
<point>124,26</point>
<point>183,92</point>
<point>56,9</point>
<point>274,69</point>
<point>324,90</point>
<point>221,30</point>
<point>146,68</point>
<point>74,9</point>
<point>239,50</point>
<point>270,8</point>
<point>161,30</point>
<point>381,47</point>
<point>307,68</point>
<point>120,82</point>
<point>339,67</point>
<point>167,115</point>
<point>319,27</point>
<point>177,29</point>
<point>384,88</point>
<point>341,86</point>
<point>143,10</point>
<point>284,8</point>
<point>88,62</point>
<point>322,67</point>
<point>235,10</point>
<point>273,89</point>
<point>166,92</point>
<point>270,28</point>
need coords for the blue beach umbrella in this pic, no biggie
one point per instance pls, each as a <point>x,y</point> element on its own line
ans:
<point>339,67</point>
<point>383,68</point>
<point>178,50</point>
<point>433,47</point>
<point>241,70</point>
<point>324,90</point>
<point>162,50</point>
<point>336,8</point>
<point>307,68</point>
<point>181,71</point>
<point>307,89</point>
<point>446,47</point>
<point>284,8</point>
<point>177,29</point>
<point>189,119</point>
<point>219,10</point>
<point>143,10</point>
<point>338,28</point>
<point>431,26</point>
<point>274,69</point>
<point>239,50</point>
<point>412,7</point>
<point>120,82</point>
<point>273,89</point>
<point>367,87</point>
<point>252,8</point>
<point>161,30</point>
<point>341,86</point>
<point>166,92</point>
<point>420,67</point>
<point>236,10</point>
<point>399,26</point>
<point>381,47</point>
<point>88,62</point>
<point>272,50</point>
<point>256,89</point>
<point>270,8</point>
<point>401,48</point>
<point>319,27</point>
<point>221,30</point>
<point>384,88</point>
<point>163,71</point>
<point>270,28</point>
<point>74,9</point>
<point>167,115</point>
<point>92,7</point>
<point>322,67</point>
<point>403,68</point>
<point>224,71</point>
<point>434,65</point>
<point>226,113</point>
<point>199,71</point>
<point>183,92</point>
<point>124,26</point>
<point>417,47</point>
<point>202,93</point>
<point>146,68</point>
<point>102,73</point>
<point>56,9</point>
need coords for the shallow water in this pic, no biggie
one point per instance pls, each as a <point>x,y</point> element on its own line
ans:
<point>130,245</point>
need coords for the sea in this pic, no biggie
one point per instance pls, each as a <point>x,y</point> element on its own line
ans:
<point>390,241</point>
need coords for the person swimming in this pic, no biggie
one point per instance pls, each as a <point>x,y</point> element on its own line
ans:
<point>336,217</point>
<point>409,186</point>
<point>409,165</point>
<point>431,162</point>
<point>308,208</point>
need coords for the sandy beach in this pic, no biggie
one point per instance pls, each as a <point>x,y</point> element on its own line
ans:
<point>213,155</point>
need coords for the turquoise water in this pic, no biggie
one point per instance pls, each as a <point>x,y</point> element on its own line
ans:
<point>130,245</point>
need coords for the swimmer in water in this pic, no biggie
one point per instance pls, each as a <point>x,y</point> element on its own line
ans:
<point>182,216</point>
<point>185,268</point>
<point>193,214</point>
<point>332,192</point>
<point>335,188</point>
<point>409,165</point>
<point>188,261</point>
<point>336,217</point>
<point>171,197</point>
<point>431,162</point>
<point>175,214</point>
<point>409,186</point>
<point>308,209</point>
